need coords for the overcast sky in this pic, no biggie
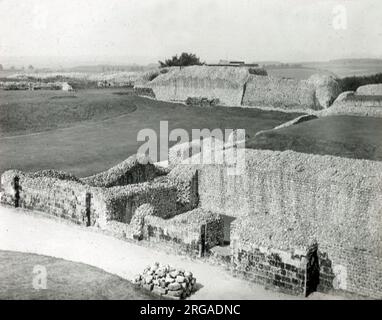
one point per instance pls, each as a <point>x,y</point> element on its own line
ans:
<point>143,31</point>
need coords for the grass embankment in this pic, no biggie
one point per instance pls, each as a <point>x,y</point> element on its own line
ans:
<point>345,136</point>
<point>65,280</point>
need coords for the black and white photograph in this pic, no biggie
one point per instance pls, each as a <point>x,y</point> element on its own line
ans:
<point>181,151</point>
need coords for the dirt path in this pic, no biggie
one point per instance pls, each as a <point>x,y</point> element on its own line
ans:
<point>21,230</point>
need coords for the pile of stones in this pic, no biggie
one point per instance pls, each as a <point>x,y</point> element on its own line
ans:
<point>201,102</point>
<point>166,281</point>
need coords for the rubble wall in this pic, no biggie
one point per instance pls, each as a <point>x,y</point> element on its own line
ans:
<point>294,198</point>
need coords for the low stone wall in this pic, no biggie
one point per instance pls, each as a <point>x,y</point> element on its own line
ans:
<point>145,92</point>
<point>202,102</point>
<point>192,233</point>
<point>67,199</point>
<point>283,270</point>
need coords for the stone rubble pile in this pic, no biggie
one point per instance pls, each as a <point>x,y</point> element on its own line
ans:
<point>167,281</point>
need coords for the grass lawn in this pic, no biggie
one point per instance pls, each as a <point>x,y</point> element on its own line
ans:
<point>345,136</point>
<point>25,111</point>
<point>65,280</point>
<point>95,144</point>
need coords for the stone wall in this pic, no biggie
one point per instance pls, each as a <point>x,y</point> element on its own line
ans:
<point>293,199</point>
<point>66,199</point>
<point>223,83</point>
<point>122,202</point>
<point>185,180</point>
<point>240,86</point>
<point>279,93</point>
<point>285,271</point>
<point>145,92</point>
<point>135,169</point>
<point>318,92</point>
<point>192,233</point>
<point>115,209</point>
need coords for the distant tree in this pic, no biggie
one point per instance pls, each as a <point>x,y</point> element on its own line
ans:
<point>12,67</point>
<point>30,67</point>
<point>185,59</point>
<point>1,67</point>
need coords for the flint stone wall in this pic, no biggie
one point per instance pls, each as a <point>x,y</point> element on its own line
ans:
<point>223,83</point>
<point>295,198</point>
<point>135,169</point>
<point>121,202</point>
<point>193,232</point>
<point>285,271</point>
<point>240,86</point>
<point>59,197</point>
<point>279,93</point>
<point>316,93</point>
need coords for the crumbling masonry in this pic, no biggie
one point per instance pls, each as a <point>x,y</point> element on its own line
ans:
<point>301,222</point>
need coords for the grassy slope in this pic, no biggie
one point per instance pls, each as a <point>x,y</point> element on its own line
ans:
<point>66,280</point>
<point>93,146</point>
<point>25,111</point>
<point>347,136</point>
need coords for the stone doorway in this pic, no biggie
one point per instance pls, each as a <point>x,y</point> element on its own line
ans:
<point>312,270</point>
<point>16,185</point>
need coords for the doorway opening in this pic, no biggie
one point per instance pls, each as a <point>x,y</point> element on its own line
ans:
<point>227,220</point>
<point>312,270</point>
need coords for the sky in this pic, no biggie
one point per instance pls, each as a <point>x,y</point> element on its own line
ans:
<point>144,31</point>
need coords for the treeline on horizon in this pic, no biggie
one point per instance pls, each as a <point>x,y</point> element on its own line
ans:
<point>353,82</point>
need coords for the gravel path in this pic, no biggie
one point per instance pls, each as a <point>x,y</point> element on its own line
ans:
<point>20,230</point>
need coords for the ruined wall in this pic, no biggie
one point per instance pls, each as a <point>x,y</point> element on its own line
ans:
<point>185,180</point>
<point>223,83</point>
<point>63,198</point>
<point>318,92</point>
<point>294,198</point>
<point>279,93</point>
<point>283,270</point>
<point>192,233</point>
<point>122,202</point>
<point>135,169</point>
<point>240,86</point>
